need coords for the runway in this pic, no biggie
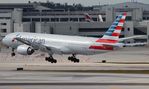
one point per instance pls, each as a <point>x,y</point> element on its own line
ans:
<point>39,74</point>
<point>74,87</point>
<point>70,80</point>
<point>73,66</point>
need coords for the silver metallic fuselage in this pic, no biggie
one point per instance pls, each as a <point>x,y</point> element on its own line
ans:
<point>67,44</point>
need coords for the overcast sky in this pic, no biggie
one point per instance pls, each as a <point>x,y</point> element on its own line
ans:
<point>84,2</point>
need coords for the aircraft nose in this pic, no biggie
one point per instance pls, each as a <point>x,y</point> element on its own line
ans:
<point>4,41</point>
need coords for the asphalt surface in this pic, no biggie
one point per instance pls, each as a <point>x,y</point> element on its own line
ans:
<point>63,80</point>
<point>37,73</point>
<point>73,66</point>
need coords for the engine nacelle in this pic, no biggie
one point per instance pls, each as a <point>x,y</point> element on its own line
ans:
<point>25,50</point>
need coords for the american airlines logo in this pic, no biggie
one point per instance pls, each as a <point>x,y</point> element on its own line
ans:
<point>32,40</point>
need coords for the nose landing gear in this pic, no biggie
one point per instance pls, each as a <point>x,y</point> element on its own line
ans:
<point>13,53</point>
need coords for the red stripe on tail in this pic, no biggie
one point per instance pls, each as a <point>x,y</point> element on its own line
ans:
<point>115,34</point>
<point>118,28</point>
<point>122,21</point>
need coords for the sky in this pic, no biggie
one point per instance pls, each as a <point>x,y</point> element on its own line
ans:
<point>83,2</point>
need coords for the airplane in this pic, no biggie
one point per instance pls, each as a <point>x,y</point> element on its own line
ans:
<point>26,43</point>
<point>88,18</point>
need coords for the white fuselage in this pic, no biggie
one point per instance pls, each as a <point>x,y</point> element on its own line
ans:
<point>67,44</point>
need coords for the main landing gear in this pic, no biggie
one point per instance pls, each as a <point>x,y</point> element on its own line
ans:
<point>51,59</point>
<point>13,53</point>
<point>73,58</point>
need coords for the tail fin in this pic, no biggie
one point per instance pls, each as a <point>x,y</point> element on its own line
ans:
<point>88,18</point>
<point>113,33</point>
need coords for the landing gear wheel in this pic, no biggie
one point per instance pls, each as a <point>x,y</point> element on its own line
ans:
<point>76,60</point>
<point>73,59</point>
<point>54,61</point>
<point>13,54</point>
<point>50,59</point>
<point>46,59</point>
<point>70,58</point>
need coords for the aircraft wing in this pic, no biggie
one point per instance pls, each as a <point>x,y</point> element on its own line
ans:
<point>126,45</point>
<point>135,44</point>
<point>27,42</point>
<point>113,44</point>
<point>131,37</point>
<point>39,46</point>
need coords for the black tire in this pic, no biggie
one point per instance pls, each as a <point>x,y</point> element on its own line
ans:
<point>74,61</point>
<point>49,60</point>
<point>69,58</point>
<point>13,54</point>
<point>78,60</point>
<point>46,59</point>
<point>55,61</point>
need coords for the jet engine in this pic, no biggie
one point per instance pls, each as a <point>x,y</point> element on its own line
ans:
<point>25,50</point>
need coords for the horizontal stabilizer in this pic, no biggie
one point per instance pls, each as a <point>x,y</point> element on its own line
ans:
<point>132,37</point>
